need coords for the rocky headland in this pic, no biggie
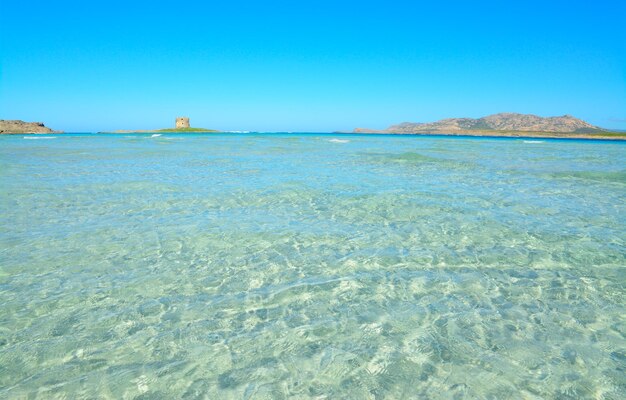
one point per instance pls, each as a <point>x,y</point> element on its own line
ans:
<point>504,124</point>
<point>17,126</point>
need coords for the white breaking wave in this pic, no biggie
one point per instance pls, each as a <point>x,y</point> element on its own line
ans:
<point>40,137</point>
<point>156,135</point>
<point>533,141</point>
<point>339,141</point>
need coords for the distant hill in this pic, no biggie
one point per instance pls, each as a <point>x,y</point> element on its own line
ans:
<point>17,126</point>
<point>503,123</point>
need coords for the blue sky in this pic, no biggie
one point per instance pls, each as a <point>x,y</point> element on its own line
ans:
<point>308,65</point>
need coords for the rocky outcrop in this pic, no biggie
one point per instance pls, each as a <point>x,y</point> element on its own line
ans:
<point>497,122</point>
<point>17,126</point>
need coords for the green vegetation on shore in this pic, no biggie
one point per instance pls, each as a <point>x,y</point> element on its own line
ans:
<point>598,134</point>
<point>531,134</point>
<point>495,132</point>
<point>612,134</point>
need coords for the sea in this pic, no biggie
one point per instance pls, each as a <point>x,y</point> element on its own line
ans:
<point>311,266</point>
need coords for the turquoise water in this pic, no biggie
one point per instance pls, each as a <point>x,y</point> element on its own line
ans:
<point>311,266</point>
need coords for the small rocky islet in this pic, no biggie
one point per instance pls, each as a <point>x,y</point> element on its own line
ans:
<point>18,126</point>
<point>181,125</point>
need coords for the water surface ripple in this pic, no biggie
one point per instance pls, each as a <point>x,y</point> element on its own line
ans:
<point>311,266</point>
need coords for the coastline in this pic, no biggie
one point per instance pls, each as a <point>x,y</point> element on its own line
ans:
<point>166,130</point>
<point>495,133</point>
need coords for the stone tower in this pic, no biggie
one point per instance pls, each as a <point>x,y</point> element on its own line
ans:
<point>182,122</point>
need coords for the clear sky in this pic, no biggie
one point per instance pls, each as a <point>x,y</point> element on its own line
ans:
<point>308,65</point>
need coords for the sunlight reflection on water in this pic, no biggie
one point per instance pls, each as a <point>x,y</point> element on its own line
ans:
<point>270,266</point>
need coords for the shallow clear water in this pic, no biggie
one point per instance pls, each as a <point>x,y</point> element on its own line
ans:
<point>305,266</point>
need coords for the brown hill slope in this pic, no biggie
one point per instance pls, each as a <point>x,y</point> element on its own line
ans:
<point>17,126</point>
<point>496,122</point>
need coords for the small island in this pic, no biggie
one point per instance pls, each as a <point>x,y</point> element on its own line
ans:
<point>181,126</point>
<point>16,126</point>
